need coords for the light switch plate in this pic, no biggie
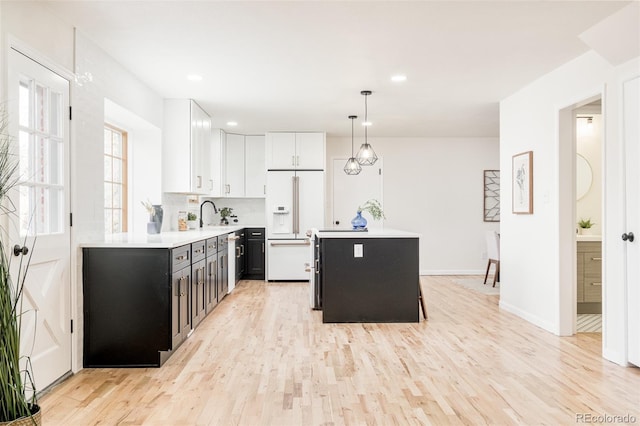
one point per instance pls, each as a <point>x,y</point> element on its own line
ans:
<point>357,250</point>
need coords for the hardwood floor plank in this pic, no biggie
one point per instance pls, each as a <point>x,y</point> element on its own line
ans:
<point>262,357</point>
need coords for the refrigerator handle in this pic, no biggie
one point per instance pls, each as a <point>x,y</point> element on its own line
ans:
<point>294,205</point>
<point>296,218</point>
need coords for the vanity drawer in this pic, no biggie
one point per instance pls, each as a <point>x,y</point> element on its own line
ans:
<point>180,257</point>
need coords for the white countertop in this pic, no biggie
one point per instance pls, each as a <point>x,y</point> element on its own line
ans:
<point>164,239</point>
<point>371,233</point>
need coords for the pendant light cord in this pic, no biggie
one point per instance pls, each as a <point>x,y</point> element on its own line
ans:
<point>352,137</point>
<point>366,120</point>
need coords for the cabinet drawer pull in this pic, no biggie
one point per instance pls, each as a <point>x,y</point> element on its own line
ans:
<point>242,249</point>
<point>256,234</point>
<point>596,258</point>
<point>293,160</point>
<point>263,247</point>
<point>199,181</point>
<point>596,284</point>
<point>305,243</point>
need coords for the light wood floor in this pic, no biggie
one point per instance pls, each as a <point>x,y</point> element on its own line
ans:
<point>264,358</point>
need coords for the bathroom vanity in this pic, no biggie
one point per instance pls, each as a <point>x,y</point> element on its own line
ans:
<point>589,274</point>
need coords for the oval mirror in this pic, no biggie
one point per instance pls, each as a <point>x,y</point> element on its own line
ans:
<point>584,176</point>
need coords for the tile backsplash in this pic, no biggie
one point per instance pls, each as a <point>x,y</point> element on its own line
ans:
<point>249,211</point>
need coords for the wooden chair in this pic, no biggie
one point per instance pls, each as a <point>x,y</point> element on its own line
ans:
<point>493,255</point>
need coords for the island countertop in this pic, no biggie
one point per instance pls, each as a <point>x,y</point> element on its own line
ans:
<point>371,233</point>
<point>169,239</point>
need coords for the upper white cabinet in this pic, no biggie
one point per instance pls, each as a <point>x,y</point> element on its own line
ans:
<point>243,166</point>
<point>186,145</point>
<point>234,174</point>
<point>300,151</point>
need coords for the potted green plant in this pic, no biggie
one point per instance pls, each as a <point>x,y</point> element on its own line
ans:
<point>18,401</point>
<point>374,208</point>
<point>584,226</point>
<point>225,212</point>
<point>192,220</point>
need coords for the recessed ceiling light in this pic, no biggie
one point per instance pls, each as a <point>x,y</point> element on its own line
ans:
<point>232,123</point>
<point>398,78</point>
<point>194,77</point>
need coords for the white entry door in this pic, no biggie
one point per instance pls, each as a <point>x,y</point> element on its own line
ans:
<point>39,119</point>
<point>351,191</point>
<point>631,95</point>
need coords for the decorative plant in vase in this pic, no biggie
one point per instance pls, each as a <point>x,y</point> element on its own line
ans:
<point>192,220</point>
<point>373,207</point>
<point>225,212</point>
<point>18,401</point>
<point>585,226</point>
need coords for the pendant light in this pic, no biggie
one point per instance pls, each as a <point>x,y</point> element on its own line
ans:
<point>352,167</point>
<point>366,155</point>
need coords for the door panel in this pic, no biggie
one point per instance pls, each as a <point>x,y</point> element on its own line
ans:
<point>351,191</point>
<point>632,146</point>
<point>310,201</point>
<point>39,98</point>
<point>279,204</point>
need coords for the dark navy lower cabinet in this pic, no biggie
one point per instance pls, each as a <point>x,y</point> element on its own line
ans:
<point>140,304</point>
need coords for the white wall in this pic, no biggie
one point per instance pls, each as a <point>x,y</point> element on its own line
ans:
<point>532,277</point>
<point>433,186</point>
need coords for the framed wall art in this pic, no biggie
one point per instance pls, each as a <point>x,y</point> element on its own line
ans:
<point>492,195</point>
<point>522,183</point>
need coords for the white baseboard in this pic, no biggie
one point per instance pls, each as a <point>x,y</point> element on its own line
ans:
<point>545,325</point>
<point>452,272</point>
<point>615,357</point>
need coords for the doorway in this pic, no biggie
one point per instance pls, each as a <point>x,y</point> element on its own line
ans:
<point>39,120</point>
<point>588,137</point>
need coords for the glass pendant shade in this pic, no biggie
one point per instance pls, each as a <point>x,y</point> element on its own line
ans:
<point>352,167</point>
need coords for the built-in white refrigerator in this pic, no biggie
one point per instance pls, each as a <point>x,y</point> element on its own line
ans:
<point>294,205</point>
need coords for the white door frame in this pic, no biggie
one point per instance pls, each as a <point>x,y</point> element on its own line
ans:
<point>566,246</point>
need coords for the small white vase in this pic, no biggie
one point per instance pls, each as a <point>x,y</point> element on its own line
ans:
<point>586,231</point>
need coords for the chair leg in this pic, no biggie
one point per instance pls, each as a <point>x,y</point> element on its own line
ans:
<point>496,276</point>
<point>486,275</point>
<point>423,305</point>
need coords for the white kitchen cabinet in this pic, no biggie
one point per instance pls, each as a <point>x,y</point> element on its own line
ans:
<point>217,162</point>
<point>295,150</point>
<point>254,166</point>
<point>186,148</point>
<point>234,165</point>
<point>243,165</point>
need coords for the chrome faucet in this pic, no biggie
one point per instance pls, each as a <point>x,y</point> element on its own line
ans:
<point>215,210</point>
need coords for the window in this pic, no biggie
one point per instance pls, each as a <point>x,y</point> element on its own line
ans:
<point>115,179</point>
<point>41,159</point>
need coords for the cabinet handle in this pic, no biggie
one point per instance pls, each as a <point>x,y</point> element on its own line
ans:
<point>293,160</point>
<point>596,258</point>
<point>199,181</point>
<point>256,234</point>
<point>181,257</point>
<point>596,284</point>
<point>211,184</point>
<point>305,243</point>
<point>263,247</point>
<point>242,249</point>
<point>238,252</point>
<point>264,189</point>
<point>297,160</point>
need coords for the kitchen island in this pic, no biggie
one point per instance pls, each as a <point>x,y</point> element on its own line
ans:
<point>367,276</point>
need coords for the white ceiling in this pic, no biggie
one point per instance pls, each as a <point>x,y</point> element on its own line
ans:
<point>301,65</point>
